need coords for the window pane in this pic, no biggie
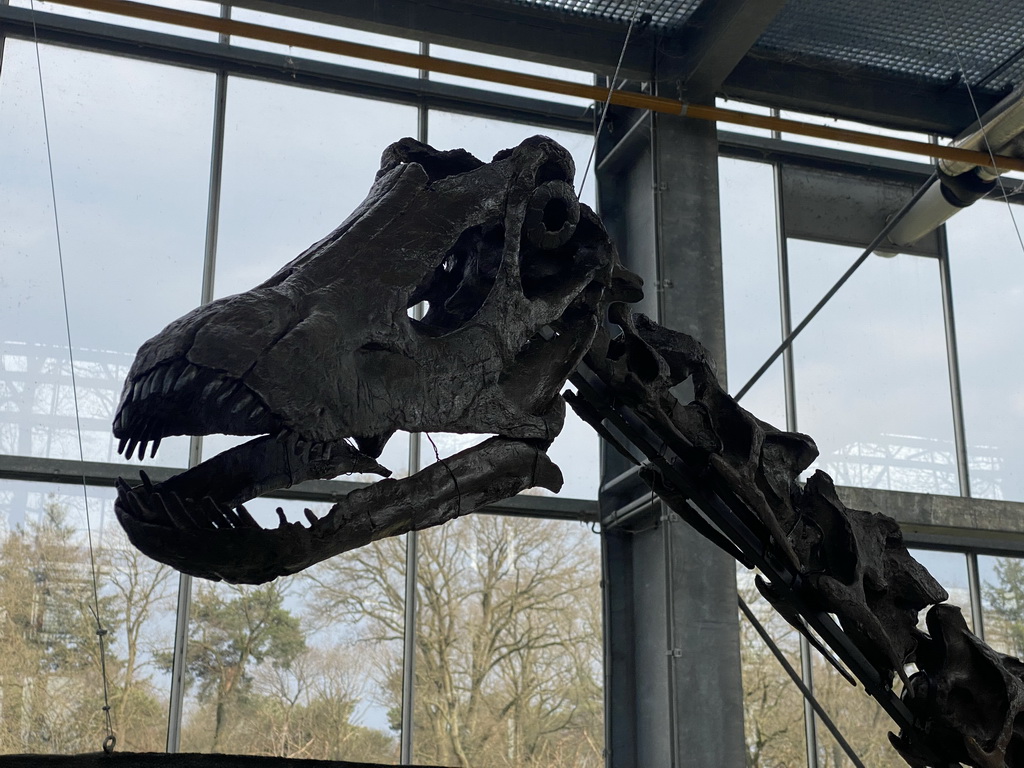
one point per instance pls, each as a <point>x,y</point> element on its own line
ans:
<point>871,375</point>
<point>773,709</point>
<point>750,271</point>
<point>988,292</point>
<point>297,162</point>
<point>51,682</point>
<point>300,667</point>
<point>278,21</point>
<point>518,66</point>
<point>950,570</point>
<point>854,126</point>
<point>130,143</point>
<point>509,644</point>
<point>741,106</point>
<point>1002,591</point>
<point>192,6</point>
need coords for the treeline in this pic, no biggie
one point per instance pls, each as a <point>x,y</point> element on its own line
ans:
<point>508,651</point>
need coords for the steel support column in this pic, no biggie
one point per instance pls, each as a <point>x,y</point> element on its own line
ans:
<point>673,687</point>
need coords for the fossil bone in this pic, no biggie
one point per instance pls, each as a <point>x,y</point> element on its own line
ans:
<point>323,363</point>
<point>967,698</point>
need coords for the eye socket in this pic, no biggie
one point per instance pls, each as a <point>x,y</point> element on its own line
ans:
<point>552,215</point>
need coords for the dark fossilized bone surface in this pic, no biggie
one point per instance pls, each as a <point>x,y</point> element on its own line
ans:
<point>967,698</point>
<point>323,363</point>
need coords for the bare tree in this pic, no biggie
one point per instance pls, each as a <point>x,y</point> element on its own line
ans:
<point>508,642</point>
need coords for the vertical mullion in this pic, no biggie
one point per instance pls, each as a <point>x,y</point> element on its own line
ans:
<point>953,364</point>
<point>195,448</point>
<point>789,388</point>
<point>411,538</point>
<point>959,427</point>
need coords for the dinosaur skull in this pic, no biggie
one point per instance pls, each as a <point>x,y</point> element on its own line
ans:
<point>323,362</point>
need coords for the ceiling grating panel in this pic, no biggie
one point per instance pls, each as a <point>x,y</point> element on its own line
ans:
<point>664,14</point>
<point>919,39</point>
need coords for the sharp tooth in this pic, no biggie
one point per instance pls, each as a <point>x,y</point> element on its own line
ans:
<point>180,514</point>
<point>186,378</point>
<point>299,447</point>
<point>146,481</point>
<point>283,435</point>
<point>313,519</point>
<point>132,442</point>
<point>315,451</point>
<point>244,518</point>
<point>136,394</point>
<point>121,444</point>
<point>156,383</point>
<point>245,402</point>
<point>257,412</point>
<point>142,449</point>
<point>147,385</point>
<point>214,513</point>
<point>210,388</point>
<point>156,444</point>
<point>160,506</point>
<point>280,516</point>
<point>328,447</point>
<point>226,395</point>
<point>305,452</point>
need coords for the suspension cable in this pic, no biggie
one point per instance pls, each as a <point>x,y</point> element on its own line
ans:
<point>101,632</point>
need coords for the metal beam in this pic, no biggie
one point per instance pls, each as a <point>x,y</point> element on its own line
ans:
<point>290,70</point>
<point>901,104</point>
<point>501,28</point>
<point>715,39</point>
<point>671,627</point>
<point>948,522</point>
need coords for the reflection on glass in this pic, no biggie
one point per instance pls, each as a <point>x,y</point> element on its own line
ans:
<point>508,644</point>
<point>130,143</point>
<point>51,681</point>
<point>988,292</point>
<point>773,710</point>
<point>750,271</point>
<point>300,667</point>
<point>871,376</point>
<point>1002,594</point>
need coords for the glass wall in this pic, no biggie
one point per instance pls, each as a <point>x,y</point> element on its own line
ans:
<point>51,685</point>
<point>872,385</point>
<point>310,666</point>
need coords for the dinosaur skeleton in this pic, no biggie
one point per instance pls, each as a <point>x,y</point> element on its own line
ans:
<point>323,362</point>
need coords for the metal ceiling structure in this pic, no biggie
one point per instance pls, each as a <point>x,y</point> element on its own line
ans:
<point>906,65</point>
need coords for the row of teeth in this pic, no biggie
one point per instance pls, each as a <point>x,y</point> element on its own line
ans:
<point>229,395</point>
<point>186,514</point>
<point>309,450</point>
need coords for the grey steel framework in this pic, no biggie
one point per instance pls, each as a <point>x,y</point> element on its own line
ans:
<point>644,163</point>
